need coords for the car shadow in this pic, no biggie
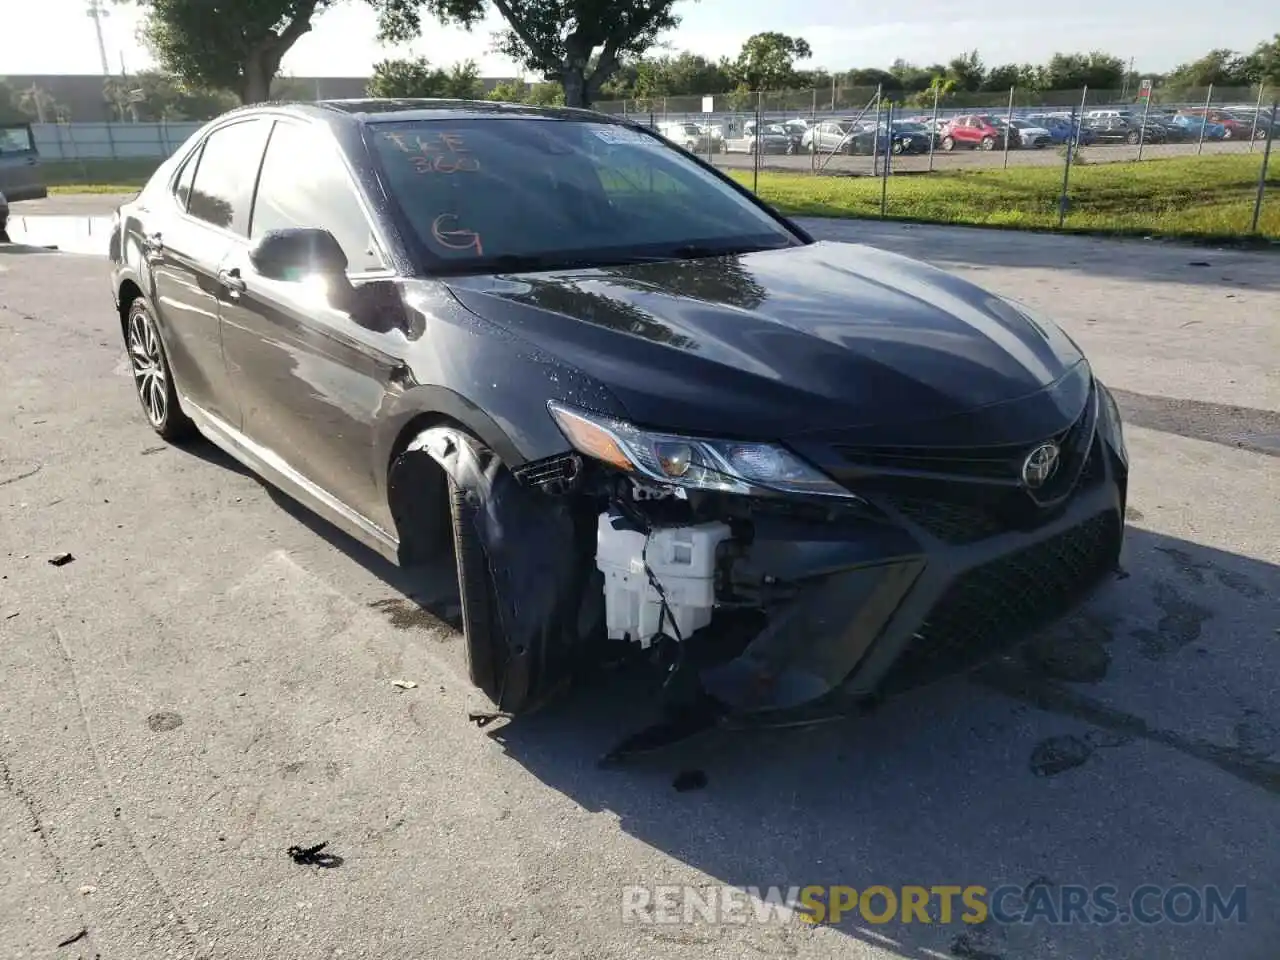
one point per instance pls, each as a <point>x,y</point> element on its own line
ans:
<point>1041,766</point>
<point>427,593</point>
<point>1136,742</point>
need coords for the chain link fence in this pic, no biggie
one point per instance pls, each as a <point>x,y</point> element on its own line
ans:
<point>865,132</point>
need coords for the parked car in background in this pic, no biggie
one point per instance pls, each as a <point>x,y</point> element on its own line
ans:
<point>976,131</point>
<point>910,137</point>
<point>771,138</point>
<point>688,135</point>
<point>1235,127</point>
<point>841,136</point>
<point>1031,134</point>
<point>1258,122</point>
<point>20,175</point>
<point>1190,127</point>
<point>1116,128</point>
<point>1061,128</point>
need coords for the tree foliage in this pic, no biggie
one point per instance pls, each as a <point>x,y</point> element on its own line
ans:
<point>578,43</point>
<point>418,78</point>
<point>768,61</point>
<point>151,96</point>
<point>232,45</point>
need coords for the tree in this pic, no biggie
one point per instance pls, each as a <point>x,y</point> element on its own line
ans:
<point>1221,68</point>
<point>417,78</point>
<point>232,45</point>
<point>578,43</point>
<point>1024,76</point>
<point>38,104</point>
<point>916,79</point>
<point>685,74</point>
<point>767,61</point>
<point>966,72</point>
<point>9,112</point>
<point>1071,71</point>
<point>886,80</point>
<point>1263,65</point>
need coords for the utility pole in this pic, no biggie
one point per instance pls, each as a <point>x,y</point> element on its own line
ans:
<point>97,10</point>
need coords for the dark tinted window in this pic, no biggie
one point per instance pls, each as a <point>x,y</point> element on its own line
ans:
<point>305,184</point>
<point>224,178</point>
<point>182,189</point>
<point>477,189</point>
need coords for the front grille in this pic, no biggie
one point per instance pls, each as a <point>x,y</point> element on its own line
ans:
<point>991,606</point>
<point>955,523</point>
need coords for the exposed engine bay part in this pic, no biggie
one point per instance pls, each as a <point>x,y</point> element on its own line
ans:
<point>524,570</point>
<point>657,580</point>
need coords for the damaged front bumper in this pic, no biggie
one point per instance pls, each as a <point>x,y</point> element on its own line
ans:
<point>856,608</point>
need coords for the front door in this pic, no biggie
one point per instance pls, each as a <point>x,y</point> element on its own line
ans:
<point>310,379</point>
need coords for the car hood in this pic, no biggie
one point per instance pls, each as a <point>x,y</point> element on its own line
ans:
<point>777,343</point>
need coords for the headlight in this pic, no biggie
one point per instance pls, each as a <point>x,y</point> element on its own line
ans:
<point>728,466</point>
<point>1113,427</point>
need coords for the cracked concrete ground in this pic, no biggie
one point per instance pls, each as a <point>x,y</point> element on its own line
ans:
<point>211,680</point>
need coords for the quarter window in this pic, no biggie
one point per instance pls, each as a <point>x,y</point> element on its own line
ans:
<point>305,184</point>
<point>182,189</point>
<point>223,186</point>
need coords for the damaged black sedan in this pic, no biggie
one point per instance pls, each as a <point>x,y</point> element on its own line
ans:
<point>652,416</point>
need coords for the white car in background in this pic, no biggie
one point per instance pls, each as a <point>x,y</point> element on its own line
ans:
<point>1031,134</point>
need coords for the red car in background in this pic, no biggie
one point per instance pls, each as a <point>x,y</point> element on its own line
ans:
<point>977,131</point>
<point>1237,128</point>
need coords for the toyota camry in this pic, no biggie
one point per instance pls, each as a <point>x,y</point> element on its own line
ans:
<point>648,414</point>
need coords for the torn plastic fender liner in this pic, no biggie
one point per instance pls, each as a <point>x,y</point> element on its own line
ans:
<point>537,570</point>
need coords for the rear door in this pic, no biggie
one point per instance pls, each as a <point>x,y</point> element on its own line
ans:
<point>20,175</point>
<point>185,246</point>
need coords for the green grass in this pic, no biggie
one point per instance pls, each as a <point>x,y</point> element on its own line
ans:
<point>98,176</point>
<point>1200,198</point>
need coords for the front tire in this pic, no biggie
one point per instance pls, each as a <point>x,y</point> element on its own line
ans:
<point>152,377</point>
<point>948,144</point>
<point>483,636</point>
<point>988,143</point>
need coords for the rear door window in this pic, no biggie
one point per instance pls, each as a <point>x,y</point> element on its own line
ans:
<point>16,139</point>
<point>223,186</point>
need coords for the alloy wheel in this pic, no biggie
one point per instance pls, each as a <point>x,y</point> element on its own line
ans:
<point>147,360</point>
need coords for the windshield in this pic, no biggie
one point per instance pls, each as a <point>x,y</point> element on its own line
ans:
<point>775,130</point>
<point>910,126</point>
<point>691,128</point>
<point>484,191</point>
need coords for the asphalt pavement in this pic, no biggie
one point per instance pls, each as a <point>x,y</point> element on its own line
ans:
<point>213,676</point>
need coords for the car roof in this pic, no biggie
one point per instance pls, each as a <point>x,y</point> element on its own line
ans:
<point>381,110</point>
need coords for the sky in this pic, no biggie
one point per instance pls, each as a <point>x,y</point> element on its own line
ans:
<point>1158,35</point>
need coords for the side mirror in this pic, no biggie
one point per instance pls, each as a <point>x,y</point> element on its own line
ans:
<point>297,253</point>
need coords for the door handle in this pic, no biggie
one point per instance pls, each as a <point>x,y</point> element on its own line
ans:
<point>232,280</point>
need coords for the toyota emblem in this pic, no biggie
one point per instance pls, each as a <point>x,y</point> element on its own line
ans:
<point>1040,465</point>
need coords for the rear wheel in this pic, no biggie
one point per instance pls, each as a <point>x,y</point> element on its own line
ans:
<point>988,143</point>
<point>152,377</point>
<point>948,144</point>
<point>1133,137</point>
